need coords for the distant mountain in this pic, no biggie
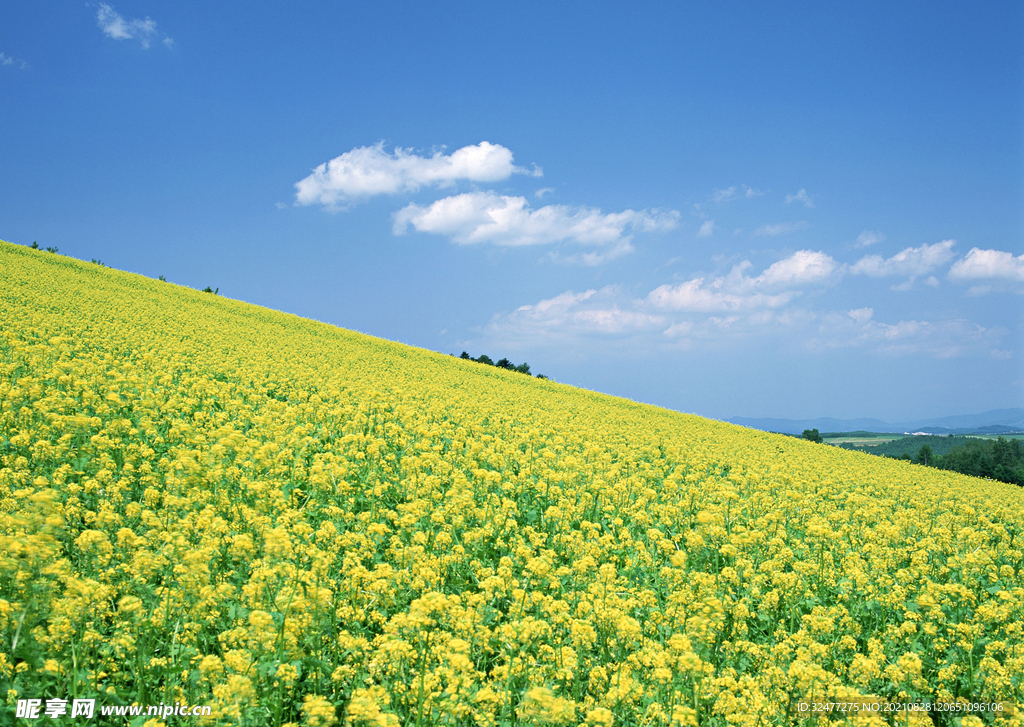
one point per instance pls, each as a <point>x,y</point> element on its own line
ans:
<point>1013,418</point>
<point>822,424</point>
<point>993,422</point>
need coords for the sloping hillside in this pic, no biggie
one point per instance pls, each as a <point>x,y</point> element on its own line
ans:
<point>211,503</point>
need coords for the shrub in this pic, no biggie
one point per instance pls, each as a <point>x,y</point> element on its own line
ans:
<point>813,435</point>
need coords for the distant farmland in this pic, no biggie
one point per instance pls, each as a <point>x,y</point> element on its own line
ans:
<point>897,445</point>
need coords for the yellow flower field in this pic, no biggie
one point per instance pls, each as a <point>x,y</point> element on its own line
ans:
<point>207,502</point>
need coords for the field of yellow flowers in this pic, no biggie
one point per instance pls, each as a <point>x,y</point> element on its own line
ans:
<point>207,502</point>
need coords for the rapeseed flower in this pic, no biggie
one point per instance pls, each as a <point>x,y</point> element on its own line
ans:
<point>297,525</point>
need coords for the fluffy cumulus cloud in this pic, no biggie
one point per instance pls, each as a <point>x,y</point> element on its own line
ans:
<point>773,288</point>
<point>988,265</point>
<point>115,26</point>
<point>801,268</point>
<point>911,262</point>
<point>370,170</point>
<point>486,217</point>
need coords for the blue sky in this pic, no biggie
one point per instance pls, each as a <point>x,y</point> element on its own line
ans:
<point>732,209</point>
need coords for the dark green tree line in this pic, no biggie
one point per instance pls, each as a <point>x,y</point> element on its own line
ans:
<point>503,363</point>
<point>1001,459</point>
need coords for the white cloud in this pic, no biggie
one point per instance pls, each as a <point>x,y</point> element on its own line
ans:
<point>733,308</point>
<point>706,229</point>
<point>800,268</point>
<point>781,228</point>
<point>722,196</point>
<point>988,265</point>
<point>862,314</point>
<point>908,284</point>
<point>698,296</point>
<point>369,170</point>
<point>800,196</point>
<point>869,237</point>
<point>678,329</point>
<point>592,312</point>
<point>614,320</point>
<point>593,257</point>
<point>937,339</point>
<point>562,302</point>
<point>912,262</point>
<point>674,316</point>
<point>539,194</point>
<point>486,217</point>
<point>117,27</point>
<point>6,60</point>
<point>737,291</point>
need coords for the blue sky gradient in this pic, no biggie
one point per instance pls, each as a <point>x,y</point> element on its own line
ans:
<point>790,210</point>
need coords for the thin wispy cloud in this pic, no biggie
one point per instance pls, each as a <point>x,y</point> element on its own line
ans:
<point>943,339</point>
<point>912,262</point>
<point>800,196</point>
<point>116,26</point>
<point>861,314</point>
<point>486,217</point>
<point>367,171</point>
<point>707,229</point>
<point>780,228</point>
<point>869,237</point>
<point>721,196</point>
<point>570,314</point>
<point>8,61</point>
